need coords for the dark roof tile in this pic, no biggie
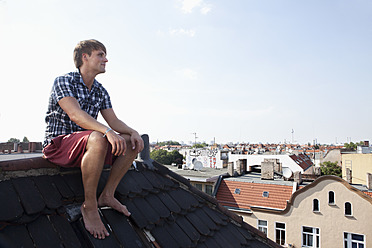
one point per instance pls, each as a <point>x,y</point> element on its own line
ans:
<point>75,183</point>
<point>109,241</point>
<point>158,205</point>
<point>65,231</point>
<point>15,236</point>
<point>136,215</point>
<point>147,210</point>
<point>169,202</point>
<point>179,235</point>
<point>43,234</point>
<point>164,238</point>
<point>122,230</point>
<point>49,192</point>
<point>63,188</point>
<point>200,226</point>
<point>185,199</point>
<point>30,197</point>
<point>11,208</point>
<point>188,228</point>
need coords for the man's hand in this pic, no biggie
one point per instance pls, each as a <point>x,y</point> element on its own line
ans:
<point>137,142</point>
<point>117,142</point>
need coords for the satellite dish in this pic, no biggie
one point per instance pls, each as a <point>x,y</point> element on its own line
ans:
<point>287,173</point>
<point>198,165</point>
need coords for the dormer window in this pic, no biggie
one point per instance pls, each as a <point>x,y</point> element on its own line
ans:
<point>331,198</point>
<point>315,205</point>
<point>348,209</point>
<point>265,194</point>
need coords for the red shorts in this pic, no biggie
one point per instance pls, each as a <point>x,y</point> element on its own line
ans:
<point>68,150</point>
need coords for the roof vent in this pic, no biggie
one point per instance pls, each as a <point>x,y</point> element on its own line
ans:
<point>237,191</point>
<point>265,194</point>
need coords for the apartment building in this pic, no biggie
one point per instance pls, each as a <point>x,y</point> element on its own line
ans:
<point>328,212</point>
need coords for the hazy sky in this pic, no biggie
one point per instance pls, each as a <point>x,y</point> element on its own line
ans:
<point>247,71</point>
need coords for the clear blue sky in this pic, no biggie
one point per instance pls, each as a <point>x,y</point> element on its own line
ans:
<point>247,71</point>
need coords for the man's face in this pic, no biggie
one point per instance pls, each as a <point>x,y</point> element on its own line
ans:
<point>96,61</point>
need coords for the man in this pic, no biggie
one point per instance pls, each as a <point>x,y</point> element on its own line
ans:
<point>74,137</point>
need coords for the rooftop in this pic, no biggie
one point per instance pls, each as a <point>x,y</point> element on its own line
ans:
<point>41,208</point>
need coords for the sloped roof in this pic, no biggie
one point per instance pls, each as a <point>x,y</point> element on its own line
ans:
<point>302,160</point>
<point>244,195</point>
<point>42,209</point>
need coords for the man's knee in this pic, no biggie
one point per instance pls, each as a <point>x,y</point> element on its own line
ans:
<point>97,142</point>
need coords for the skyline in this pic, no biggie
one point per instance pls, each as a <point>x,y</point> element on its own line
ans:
<point>236,71</point>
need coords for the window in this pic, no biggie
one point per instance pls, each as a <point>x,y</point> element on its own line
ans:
<point>352,240</point>
<point>331,197</point>
<point>280,233</point>
<point>316,205</point>
<point>208,189</point>
<point>262,226</point>
<point>310,237</point>
<point>265,194</point>
<point>348,211</point>
<point>237,191</point>
<point>199,186</point>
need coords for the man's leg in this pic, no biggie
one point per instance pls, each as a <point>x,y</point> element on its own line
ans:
<point>118,170</point>
<point>91,168</point>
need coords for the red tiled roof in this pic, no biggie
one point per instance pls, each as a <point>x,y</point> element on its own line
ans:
<point>251,195</point>
<point>302,160</point>
<point>368,193</point>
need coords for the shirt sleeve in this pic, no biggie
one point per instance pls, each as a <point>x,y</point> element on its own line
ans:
<point>63,87</point>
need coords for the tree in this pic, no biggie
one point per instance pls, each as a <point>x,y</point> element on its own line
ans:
<point>352,146</point>
<point>200,145</point>
<point>25,140</point>
<point>331,168</point>
<point>168,143</point>
<point>167,158</point>
<point>14,140</point>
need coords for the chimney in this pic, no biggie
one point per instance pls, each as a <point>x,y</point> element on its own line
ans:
<point>241,166</point>
<point>297,177</point>
<point>348,175</point>
<point>267,170</point>
<point>317,171</point>
<point>144,155</point>
<point>369,180</point>
<point>230,168</point>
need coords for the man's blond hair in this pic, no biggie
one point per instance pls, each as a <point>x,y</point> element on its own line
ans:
<point>86,46</point>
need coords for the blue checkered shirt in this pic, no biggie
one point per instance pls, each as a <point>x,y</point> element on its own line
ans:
<point>92,102</point>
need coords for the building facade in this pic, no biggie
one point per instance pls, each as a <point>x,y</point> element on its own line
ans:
<point>328,212</point>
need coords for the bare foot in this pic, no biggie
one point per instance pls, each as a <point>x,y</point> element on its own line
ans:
<point>113,203</point>
<point>93,223</point>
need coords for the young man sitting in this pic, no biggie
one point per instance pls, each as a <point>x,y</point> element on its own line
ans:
<point>74,137</point>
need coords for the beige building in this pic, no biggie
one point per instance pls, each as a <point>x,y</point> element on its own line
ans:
<point>328,213</point>
<point>360,164</point>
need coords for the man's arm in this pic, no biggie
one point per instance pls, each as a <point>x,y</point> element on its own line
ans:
<point>120,127</point>
<point>72,108</point>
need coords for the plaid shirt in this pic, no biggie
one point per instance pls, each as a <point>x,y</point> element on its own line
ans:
<point>92,102</point>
